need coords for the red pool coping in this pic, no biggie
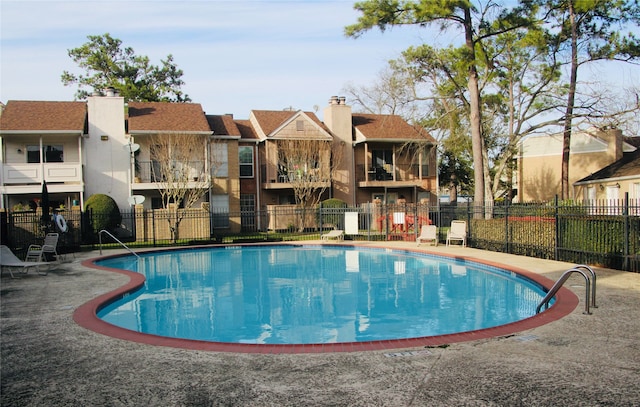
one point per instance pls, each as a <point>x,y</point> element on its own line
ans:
<point>86,316</point>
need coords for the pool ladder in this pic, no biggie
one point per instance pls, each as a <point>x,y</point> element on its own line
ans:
<point>117,240</point>
<point>590,282</point>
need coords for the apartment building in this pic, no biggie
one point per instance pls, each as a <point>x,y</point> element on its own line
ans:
<point>104,145</point>
<point>539,163</point>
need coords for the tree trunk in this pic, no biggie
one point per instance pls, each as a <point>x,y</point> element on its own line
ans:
<point>475,119</point>
<point>566,135</point>
<point>453,190</point>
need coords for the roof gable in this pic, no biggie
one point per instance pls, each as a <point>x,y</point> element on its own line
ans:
<point>282,124</point>
<point>164,117</point>
<point>23,116</point>
<point>380,127</point>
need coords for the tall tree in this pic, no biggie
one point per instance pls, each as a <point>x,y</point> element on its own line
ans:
<point>476,22</point>
<point>588,31</point>
<point>108,64</point>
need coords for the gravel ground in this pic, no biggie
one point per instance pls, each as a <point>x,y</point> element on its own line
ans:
<point>580,360</point>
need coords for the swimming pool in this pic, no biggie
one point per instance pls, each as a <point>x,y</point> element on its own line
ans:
<point>309,296</point>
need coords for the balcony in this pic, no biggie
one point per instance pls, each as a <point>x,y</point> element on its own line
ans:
<point>287,179</point>
<point>149,173</point>
<point>21,174</point>
<point>403,175</point>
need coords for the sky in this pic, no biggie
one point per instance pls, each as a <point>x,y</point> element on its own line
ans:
<point>236,56</point>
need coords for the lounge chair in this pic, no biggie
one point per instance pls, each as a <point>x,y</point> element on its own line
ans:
<point>9,261</point>
<point>47,251</point>
<point>457,232</point>
<point>428,233</point>
<point>334,234</point>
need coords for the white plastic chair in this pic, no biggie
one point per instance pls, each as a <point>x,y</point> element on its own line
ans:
<point>458,232</point>
<point>334,234</point>
<point>428,233</point>
<point>9,261</point>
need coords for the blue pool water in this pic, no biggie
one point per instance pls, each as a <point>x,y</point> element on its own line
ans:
<point>315,294</point>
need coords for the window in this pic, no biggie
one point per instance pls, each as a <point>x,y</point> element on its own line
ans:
<point>50,153</point>
<point>299,125</point>
<point>382,161</point>
<point>245,155</point>
<point>634,199</point>
<point>382,158</point>
<point>634,192</point>
<point>220,160</point>
<point>219,207</point>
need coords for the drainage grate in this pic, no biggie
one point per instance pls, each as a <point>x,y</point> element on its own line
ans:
<point>408,353</point>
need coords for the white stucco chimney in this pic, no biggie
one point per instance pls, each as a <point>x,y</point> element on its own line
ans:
<point>106,163</point>
<point>338,118</point>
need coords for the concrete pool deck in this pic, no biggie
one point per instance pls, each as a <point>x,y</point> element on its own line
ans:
<point>579,360</point>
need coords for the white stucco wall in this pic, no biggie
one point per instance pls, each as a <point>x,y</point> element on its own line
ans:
<point>106,162</point>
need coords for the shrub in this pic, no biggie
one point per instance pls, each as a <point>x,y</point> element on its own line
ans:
<point>103,211</point>
<point>334,203</point>
<point>329,217</point>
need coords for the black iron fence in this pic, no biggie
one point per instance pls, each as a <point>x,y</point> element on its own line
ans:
<point>604,233</point>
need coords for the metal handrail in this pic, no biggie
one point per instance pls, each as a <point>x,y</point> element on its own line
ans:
<point>590,294</point>
<point>593,282</point>
<point>116,239</point>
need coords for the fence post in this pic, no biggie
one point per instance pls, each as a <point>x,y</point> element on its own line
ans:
<point>153,226</point>
<point>470,214</point>
<point>557,229</point>
<point>416,223</point>
<point>386,218</point>
<point>369,219</point>
<point>625,213</point>
<point>506,228</point>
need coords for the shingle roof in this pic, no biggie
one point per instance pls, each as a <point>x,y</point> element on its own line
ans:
<point>388,127</point>
<point>167,117</point>
<point>223,125</point>
<point>628,165</point>
<point>247,132</point>
<point>25,115</point>
<point>634,141</point>
<point>269,120</point>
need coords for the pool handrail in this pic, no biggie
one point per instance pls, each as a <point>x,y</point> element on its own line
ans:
<point>116,239</point>
<point>589,291</point>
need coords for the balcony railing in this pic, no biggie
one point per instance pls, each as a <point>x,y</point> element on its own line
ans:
<point>21,173</point>
<point>397,173</point>
<point>152,171</point>
<point>292,176</point>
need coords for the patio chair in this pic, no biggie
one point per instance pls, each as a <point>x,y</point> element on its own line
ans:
<point>10,262</point>
<point>47,251</point>
<point>457,232</point>
<point>428,233</point>
<point>334,234</point>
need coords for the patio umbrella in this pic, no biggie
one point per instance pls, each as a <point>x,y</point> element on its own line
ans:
<point>44,203</point>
